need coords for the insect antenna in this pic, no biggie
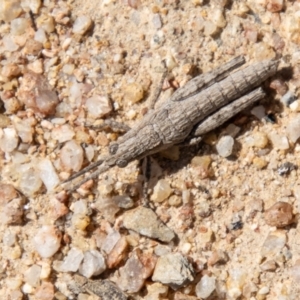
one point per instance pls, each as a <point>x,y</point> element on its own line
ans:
<point>94,175</point>
<point>86,169</point>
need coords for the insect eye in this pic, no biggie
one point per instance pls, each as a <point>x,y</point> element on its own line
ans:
<point>113,148</point>
<point>122,163</point>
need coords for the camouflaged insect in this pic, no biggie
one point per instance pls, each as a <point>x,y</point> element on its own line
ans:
<point>204,103</point>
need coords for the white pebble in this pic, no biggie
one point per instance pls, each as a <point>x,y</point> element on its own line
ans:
<point>25,130</point>
<point>157,21</point>
<point>9,43</point>
<point>293,129</point>
<point>40,36</point>
<point>32,275</point>
<point>72,261</point>
<point>110,241</point>
<point>63,133</point>
<point>71,156</point>
<point>225,146</point>
<point>93,264</point>
<point>68,69</point>
<point>8,139</point>
<point>19,26</point>
<point>33,5</point>
<point>279,141</point>
<point>30,182</point>
<point>98,106</point>
<point>79,207</point>
<point>75,95</point>
<point>47,174</point>
<point>264,290</point>
<point>27,288</point>
<point>89,152</point>
<point>205,287</point>
<point>210,28</point>
<point>294,106</point>
<point>47,241</point>
<point>82,24</point>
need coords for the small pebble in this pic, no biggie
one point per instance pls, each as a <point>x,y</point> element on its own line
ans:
<point>118,253</point>
<point>8,139</point>
<point>48,174</point>
<point>210,28</point>
<point>259,162</point>
<point>156,20</point>
<point>145,222</point>
<point>202,165</point>
<point>110,241</point>
<point>47,241</point>
<point>288,98</point>
<point>133,274</point>
<point>63,133</point>
<point>259,112</point>
<point>162,191</point>
<point>19,26</point>
<point>10,10</point>
<point>40,36</point>
<point>45,22</point>
<point>295,270</point>
<point>273,244</point>
<point>36,93</point>
<point>175,200</point>
<point>80,221</point>
<point>72,261</point>
<point>225,146</point>
<point>45,291</point>
<point>98,106</point>
<point>71,156</point>
<point>11,70</point>
<point>293,129</point>
<point>217,18</point>
<point>280,214</point>
<point>174,270</point>
<point>32,275</point>
<point>269,265</point>
<point>279,141</point>
<point>279,85</point>
<point>124,201</point>
<point>133,93</point>
<point>264,290</point>
<point>205,287</point>
<point>275,5</point>
<point>218,257</point>
<point>82,24</point>
<point>257,139</point>
<point>107,206</point>
<point>93,264</point>
<point>232,130</point>
<point>33,5</point>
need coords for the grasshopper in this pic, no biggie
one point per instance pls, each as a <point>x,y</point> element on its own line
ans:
<point>203,104</point>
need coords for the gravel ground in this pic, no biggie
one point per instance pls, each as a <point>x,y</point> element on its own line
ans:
<point>224,223</point>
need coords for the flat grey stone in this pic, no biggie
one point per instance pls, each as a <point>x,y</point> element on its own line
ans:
<point>145,222</point>
<point>174,270</point>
